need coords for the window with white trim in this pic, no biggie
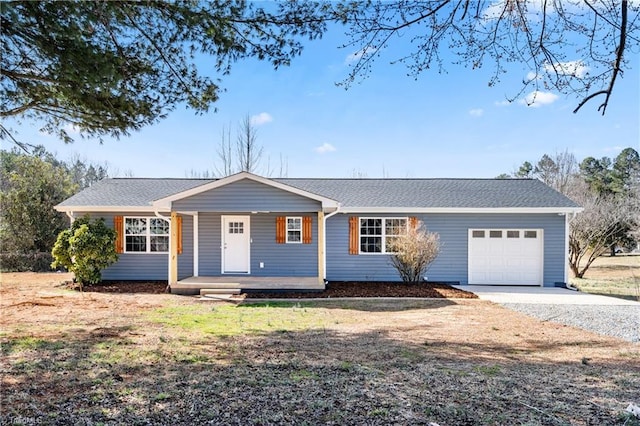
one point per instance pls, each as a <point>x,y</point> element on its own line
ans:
<point>294,229</point>
<point>376,233</point>
<point>146,235</point>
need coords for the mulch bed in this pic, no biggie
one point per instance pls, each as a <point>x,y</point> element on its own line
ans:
<point>334,289</point>
<point>143,287</point>
<point>372,289</point>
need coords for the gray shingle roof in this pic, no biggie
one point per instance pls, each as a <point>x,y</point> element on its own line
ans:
<point>374,193</point>
<point>435,193</point>
<point>130,191</point>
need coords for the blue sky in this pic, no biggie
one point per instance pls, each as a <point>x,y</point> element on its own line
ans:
<point>441,125</point>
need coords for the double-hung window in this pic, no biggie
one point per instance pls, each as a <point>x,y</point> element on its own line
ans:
<point>146,235</point>
<point>294,230</point>
<point>377,233</point>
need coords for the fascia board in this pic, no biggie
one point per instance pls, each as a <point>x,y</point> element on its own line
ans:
<point>521,210</point>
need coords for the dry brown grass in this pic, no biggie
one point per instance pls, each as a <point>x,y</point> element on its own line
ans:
<point>71,358</point>
<point>615,276</point>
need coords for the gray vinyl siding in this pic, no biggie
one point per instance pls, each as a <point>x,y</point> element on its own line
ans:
<point>452,263</point>
<point>247,196</point>
<point>291,260</point>
<point>149,266</point>
<point>209,242</point>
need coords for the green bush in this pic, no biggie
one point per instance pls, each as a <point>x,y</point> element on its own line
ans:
<point>85,249</point>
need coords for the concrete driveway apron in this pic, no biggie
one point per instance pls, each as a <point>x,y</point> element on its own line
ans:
<point>542,295</point>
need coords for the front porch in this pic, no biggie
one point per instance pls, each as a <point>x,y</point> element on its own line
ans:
<point>193,285</point>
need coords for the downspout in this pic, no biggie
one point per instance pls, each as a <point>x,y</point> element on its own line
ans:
<point>71,216</point>
<point>324,241</point>
<point>568,218</point>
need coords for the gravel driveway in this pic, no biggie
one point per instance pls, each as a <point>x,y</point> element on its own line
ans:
<point>611,320</point>
<point>601,314</point>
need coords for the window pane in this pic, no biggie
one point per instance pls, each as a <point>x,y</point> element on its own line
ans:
<point>370,226</point>
<point>495,234</point>
<point>136,243</point>
<point>294,223</point>
<point>159,227</point>
<point>371,245</point>
<point>236,227</point>
<point>293,236</point>
<point>477,234</point>
<point>395,226</point>
<point>135,226</point>
<point>160,243</point>
<point>531,234</point>
<point>513,234</point>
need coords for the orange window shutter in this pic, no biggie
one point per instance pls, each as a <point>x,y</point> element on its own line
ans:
<point>413,222</point>
<point>353,234</point>
<point>306,230</point>
<point>179,233</point>
<point>118,225</point>
<point>280,230</point>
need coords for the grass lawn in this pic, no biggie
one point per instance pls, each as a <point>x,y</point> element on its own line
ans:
<point>617,276</point>
<point>99,358</point>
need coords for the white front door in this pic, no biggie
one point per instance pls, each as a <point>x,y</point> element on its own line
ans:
<point>235,244</point>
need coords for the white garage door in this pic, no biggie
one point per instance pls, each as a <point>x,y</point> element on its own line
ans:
<point>506,256</point>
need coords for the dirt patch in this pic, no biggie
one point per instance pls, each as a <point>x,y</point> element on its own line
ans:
<point>373,289</point>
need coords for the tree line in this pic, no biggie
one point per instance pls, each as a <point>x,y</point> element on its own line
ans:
<point>608,190</point>
<point>31,184</point>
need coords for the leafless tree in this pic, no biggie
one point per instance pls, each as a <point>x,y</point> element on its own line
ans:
<point>248,151</point>
<point>557,171</point>
<point>245,154</point>
<point>225,154</point>
<point>591,232</point>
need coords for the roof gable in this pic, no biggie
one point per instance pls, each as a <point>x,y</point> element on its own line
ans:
<point>166,201</point>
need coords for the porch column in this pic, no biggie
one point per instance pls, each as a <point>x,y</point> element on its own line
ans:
<point>321,248</point>
<point>173,250</point>
<point>196,246</point>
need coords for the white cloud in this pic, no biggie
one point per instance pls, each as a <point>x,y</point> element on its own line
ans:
<point>573,68</point>
<point>262,118</point>
<point>502,103</point>
<point>476,112</point>
<point>324,148</point>
<point>356,55</point>
<point>72,129</point>
<point>532,76</point>
<point>353,57</point>
<point>537,99</point>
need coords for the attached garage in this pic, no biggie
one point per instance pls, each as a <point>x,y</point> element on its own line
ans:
<point>506,256</point>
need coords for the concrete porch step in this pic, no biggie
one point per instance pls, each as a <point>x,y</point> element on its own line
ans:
<point>218,291</point>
